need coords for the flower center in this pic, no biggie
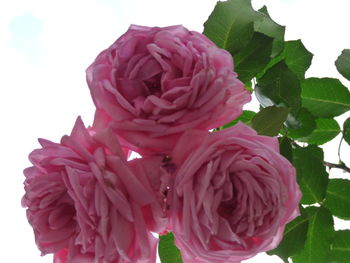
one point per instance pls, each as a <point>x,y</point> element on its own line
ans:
<point>227,208</point>
<point>153,85</point>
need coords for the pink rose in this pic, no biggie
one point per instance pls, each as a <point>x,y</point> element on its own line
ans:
<point>85,204</point>
<point>232,195</point>
<point>154,83</point>
<point>153,175</point>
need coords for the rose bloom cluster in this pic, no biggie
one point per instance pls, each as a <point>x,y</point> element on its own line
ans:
<point>225,195</point>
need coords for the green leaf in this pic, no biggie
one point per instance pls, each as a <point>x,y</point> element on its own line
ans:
<point>307,125</point>
<point>338,198</point>
<point>296,56</point>
<point>294,237</point>
<point>269,120</point>
<point>326,130</point>
<point>343,63</point>
<point>346,130</point>
<point>286,148</point>
<point>279,86</point>
<point>311,173</point>
<point>319,236</point>
<point>340,248</point>
<point>270,28</point>
<point>231,24</point>
<point>245,117</point>
<point>254,57</point>
<point>325,97</point>
<point>168,252</point>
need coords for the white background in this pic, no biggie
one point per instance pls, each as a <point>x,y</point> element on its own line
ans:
<point>46,46</point>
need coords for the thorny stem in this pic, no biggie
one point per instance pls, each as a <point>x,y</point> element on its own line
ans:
<point>338,166</point>
<point>341,164</point>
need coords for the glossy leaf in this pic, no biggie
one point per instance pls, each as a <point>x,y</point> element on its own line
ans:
<point>254,57</point>
<point>279,86</point>
<point>326,130</point>
<point>231,24</point>
<point>296,56</point>
<point>343,63</point>
<point>307,125</point>
<point>325,97</point>
<point>340,248</point>
<point>294,237</point>
<point>311,173</point>
<point>338,198</point>
<point>319,236</point>
<point>168,252</point>
<point>269,120</point>
<point>270,28</point>
<point>346,130</point>
<point>245,117</point>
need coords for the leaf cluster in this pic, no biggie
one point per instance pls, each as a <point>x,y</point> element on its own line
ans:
<point>301,112</point>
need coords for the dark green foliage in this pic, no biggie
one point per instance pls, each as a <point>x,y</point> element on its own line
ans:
<point>269,120</point>
<point>252,37</point>
<point>306,124</point>
<point>346,130</point>
<point>319,236</point>
<point>270,28</point>
<point>340,248</point>
<point>286,148</point>
<point>326,130</point>
<point>343,63</point>
<point>338,198</point>
<point>294,237</point>
<point>253,58</point>
<point>311,173</point>
<point>296,56</point>
<point>325,97</point>
<point>279,86</point>
<point>299,109</point>
<point>231,24</point>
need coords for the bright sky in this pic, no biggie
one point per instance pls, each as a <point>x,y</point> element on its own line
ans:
<point>46,46</point>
